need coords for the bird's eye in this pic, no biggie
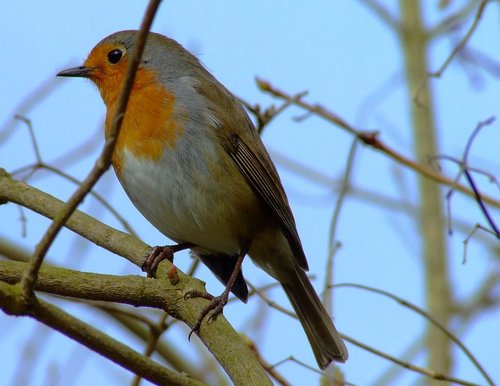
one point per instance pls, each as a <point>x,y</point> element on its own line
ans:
<point>115,56</point>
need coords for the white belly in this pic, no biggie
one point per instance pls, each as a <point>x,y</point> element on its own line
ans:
<point>190,200</point>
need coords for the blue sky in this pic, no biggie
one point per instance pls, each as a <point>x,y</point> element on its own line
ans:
<point>343,56</point>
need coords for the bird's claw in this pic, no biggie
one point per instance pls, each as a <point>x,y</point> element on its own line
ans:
<point>155,256</point>
<point>216,307</point>
<point>198,294</point>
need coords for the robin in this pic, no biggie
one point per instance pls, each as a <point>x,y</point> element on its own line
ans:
<point>193,164</point>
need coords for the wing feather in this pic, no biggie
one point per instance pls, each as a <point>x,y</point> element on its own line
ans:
<point>244,146</point>
<point>259,171</point>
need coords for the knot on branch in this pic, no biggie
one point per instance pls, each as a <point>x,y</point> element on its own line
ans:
<point>14,301</point>
<point>370,138</point>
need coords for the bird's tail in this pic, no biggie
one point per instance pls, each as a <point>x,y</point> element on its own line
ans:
<point>325,341</point>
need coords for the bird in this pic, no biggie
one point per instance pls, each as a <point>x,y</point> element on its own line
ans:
<point>192,162</point>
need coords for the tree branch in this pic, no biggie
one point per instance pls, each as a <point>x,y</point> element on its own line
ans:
<point>88,336</point>
<point>371,139</point>
<point>102,163</point>
<point>218,336</point>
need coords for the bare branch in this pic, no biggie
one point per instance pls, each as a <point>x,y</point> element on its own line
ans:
<point>333,245</point>
<point>237,361</point>
<point>102,163</point>
<point>426,315</point>
<point>449,59</point>
<point>371,139</point>
<point>90,337</point>
<point>453,20</point>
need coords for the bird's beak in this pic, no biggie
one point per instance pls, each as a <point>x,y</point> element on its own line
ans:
<point>77,72</point>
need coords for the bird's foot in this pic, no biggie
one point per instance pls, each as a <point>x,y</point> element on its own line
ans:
<point>215,307</point>
<point>159,253</point>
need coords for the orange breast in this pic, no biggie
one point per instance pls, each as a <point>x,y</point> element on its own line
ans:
<point>149,125</point>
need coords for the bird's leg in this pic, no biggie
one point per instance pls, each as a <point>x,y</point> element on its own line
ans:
<point>217,303</point>
<point>158,254</point>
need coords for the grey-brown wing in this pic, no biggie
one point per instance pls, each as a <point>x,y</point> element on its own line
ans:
<point>244,146</point>
<point>259,171</point>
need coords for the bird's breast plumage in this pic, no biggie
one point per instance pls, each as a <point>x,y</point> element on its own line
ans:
<point>174,169</point>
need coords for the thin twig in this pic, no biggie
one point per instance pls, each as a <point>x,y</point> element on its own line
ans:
<point>266,116</point>
<point>332,243</point>
<point>154,335</point>
<point>40,93</point>
<point>480,202</point>
<point>94,194</point>
<point>466,170</point>
<point>459,162</point>
<point>270,302</point>
<point>391,373</point>
<point>423,313</point>
<point>407,365</point>
<point>280,379</point>
<point>113,309</point>
<point>465,242</point>
<point>97,196</point>
<point>437,74</point>
<point>102,163</point>
<point>34,142</point>
<point>469,178</point>
<point>371,139</point>
<point>428,373</point>
<point>313,369</point>
<point>452,21</point>
<point>483,61</point>
<point>462,43</point>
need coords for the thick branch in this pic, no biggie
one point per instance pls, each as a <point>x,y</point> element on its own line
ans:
<point>90,337</point>
<point>218,336</point>
<point>431,221</point>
